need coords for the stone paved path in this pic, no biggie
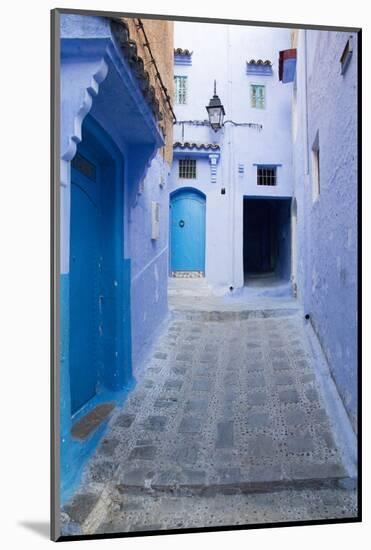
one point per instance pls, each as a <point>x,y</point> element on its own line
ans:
<point>145,513</point>
<point>227,407</point>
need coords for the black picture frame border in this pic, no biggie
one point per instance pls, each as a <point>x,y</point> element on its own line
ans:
<point>55,271</point>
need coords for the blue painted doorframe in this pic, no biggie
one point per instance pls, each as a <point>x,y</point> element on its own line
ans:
<point>187,239</point>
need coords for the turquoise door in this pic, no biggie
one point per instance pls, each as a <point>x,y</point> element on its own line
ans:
<point>99,332</point>
<point>85,247</point>
<point>188,208</point>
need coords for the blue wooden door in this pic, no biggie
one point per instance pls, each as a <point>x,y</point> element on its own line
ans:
<point>84,288</point>
<point>188,209</point>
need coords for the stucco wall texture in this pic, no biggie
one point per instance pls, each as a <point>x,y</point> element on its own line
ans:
<point>150,257</point>
<point>325,109</point>
<point>149,262</point>
<point>160,36</point>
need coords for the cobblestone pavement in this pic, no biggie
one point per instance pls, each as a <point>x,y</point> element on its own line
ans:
<point>143,513</point>
<point>226,426</point>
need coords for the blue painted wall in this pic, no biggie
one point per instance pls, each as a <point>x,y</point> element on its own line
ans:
<point>97,81</point>
<point>149,261</point>
<point>325,106</point>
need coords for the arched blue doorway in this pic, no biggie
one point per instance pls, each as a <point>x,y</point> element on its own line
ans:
<point>99,345</point>
<point>187,230</point>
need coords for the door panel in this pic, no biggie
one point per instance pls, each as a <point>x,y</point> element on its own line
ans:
<point>188,232</point>
<point>100,331</point>
<point>84,289</point>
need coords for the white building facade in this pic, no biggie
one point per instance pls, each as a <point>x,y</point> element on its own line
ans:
<point>244,170</point>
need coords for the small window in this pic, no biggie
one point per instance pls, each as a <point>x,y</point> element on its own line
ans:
<point>257,96</point>
<point>181,90</point>
<point>267,175</point>
<point>187,168</point>
<point>316,174</point>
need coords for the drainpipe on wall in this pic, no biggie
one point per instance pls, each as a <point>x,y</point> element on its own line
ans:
<point>232,197</point>
<point>306,242</point>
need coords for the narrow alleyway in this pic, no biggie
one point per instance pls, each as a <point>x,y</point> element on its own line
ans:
<point>226,393</point>
<point>227,410</point>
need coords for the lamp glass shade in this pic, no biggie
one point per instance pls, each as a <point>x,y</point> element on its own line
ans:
<point>216,115</point>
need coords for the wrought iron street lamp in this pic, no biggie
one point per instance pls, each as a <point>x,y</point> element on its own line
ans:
<point>216,112</point>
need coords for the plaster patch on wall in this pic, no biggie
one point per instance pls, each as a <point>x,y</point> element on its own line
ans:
<point>349,239</point>
<point>155,272</point>
<point>314,280</point>
<point>339,351</point>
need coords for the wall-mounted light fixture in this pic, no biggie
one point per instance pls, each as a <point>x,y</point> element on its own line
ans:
<point>215,110</point>
<point>216,113</point>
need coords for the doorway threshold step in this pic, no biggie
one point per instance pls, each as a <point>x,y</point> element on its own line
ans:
<point>86,425</point>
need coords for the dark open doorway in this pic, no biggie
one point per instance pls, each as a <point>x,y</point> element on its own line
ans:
<point>266,239</point>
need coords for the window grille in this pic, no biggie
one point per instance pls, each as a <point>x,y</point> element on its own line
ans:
<point>180,86</point>
<point>257,96</point>
<point>267,175</point>
<point>187,168</point>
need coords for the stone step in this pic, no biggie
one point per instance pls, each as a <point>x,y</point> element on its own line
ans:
<point>87,510</point>
<point>231,315</point>
<point>232,481</point>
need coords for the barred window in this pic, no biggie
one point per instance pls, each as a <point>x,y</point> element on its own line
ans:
<point>257,96</point>
<point>267,175</point>
<point>181,89</point>
<point>187,168</point>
